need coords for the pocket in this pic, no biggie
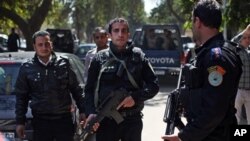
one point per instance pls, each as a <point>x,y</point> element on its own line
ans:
<point>61,74</point>
<point>110,71</point>
<point>35,80</point>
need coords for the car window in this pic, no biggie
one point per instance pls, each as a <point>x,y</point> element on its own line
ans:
<point>186,39</point>
<point>83,49</point>
<point>8,76</point>
<point>137,38</point>
<point>3,41</point>
<point>157,38</point>
<point>160,39</point>
<point>63,40</point>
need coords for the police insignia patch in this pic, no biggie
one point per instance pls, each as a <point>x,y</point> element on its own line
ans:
<point>215,77</point>
<point>215,53</point>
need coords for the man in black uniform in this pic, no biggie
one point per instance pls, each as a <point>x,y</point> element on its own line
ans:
<point>107,73</point>
<point>48,82</point>
<point>213,81</point>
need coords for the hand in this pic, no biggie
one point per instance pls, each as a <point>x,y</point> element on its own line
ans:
<point>171,137</point>
<point>127,102</point>
<point>91,117</point>
<point>82,119</point>
<point>20,131</point>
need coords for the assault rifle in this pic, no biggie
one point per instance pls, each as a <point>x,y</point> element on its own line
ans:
<point>106,109</point>
<point>174,109</point>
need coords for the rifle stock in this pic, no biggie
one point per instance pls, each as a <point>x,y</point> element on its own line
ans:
<point>106,109</point>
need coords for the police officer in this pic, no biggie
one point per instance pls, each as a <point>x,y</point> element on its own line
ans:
<point>214,76</point>
<point>107,73</point>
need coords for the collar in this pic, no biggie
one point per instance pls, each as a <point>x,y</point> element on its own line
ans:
<point>45,64</point>
<point>121,53</point>
<point>215,41</point>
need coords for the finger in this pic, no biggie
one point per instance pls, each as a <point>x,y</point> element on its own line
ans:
<point>82,123</point>
<point>164,137</point>
<point>119,106</point>
<point>85,123</point>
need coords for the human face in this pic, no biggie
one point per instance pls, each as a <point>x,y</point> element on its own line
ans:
<point>119,34</point>
<point>43,47</point>
<point>245,40</point>
<point>101,40</point>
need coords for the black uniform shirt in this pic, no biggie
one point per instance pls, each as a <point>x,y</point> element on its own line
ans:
<point>110,80</point>
<point>211,105</point>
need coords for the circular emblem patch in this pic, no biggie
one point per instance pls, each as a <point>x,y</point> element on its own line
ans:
<point>215,78</point>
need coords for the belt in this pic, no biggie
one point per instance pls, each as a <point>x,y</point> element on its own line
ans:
<point>130,114</point>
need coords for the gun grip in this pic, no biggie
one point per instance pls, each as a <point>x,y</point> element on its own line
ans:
<point>117,116</point>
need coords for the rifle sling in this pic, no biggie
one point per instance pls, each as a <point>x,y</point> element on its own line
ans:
<point>130,77</point>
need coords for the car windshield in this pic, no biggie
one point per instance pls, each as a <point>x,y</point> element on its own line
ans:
<point>8,76</point>
<point>157,38</point>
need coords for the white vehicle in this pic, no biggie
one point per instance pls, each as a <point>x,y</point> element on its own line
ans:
<point>3,42</point>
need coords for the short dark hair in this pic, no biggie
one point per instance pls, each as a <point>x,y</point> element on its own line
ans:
<point>209,12</point>
<point>115,20</point>
<point>39,33</point>
<point>99,29</point>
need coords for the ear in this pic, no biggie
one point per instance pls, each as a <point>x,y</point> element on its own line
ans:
<point>109,35</point>
<point>198,22</point>
<point>34,47</point>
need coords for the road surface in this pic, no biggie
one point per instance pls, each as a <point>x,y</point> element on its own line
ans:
<point>153,125</point>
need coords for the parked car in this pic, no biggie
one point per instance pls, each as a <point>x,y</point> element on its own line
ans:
<point>82,50</point>
<point>10,63</point>
<point>23,45</point>
<point>3,42</point>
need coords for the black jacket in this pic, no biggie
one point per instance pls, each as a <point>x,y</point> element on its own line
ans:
<point>115,77</point>
<point>48,88</point>
<point>210,108</point>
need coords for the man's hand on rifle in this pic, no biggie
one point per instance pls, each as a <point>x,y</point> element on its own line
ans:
<point>95,126</point>
<point>127,102</point>
<point>173,137</point>
<point>82,119</point>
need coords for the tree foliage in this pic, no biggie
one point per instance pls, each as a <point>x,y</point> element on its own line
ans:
<point>81,15</point>
<point>180,12</point>
<point>237,15</point>
<point>27,15</point>
<point>84,15</point>
<point>88,14</point>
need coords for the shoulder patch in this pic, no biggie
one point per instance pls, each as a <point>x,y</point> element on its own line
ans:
<point>215,77</point>
<point>215,53</point>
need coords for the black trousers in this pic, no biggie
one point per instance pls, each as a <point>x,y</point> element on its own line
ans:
<point>53,130</point>
<point>129,130</point>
